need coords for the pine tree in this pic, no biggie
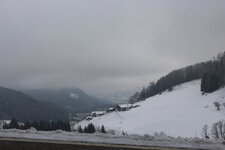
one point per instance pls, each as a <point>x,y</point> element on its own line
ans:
<point>91,128</point>
<point>80,130</point>
<point>103,129</point>
<point>210,82</point>
<point>85,130</point>
<point>14,124</point>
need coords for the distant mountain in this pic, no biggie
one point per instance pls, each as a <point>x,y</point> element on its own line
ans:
<point>118,97</point>
<point>73,99</point>
<point>14,104</point>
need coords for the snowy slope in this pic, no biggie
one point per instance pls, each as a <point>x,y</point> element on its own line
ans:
<point>181,112</point>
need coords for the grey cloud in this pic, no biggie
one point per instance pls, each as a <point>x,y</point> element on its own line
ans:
<point>104,45</point>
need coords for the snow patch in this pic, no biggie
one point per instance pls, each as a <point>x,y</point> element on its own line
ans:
<point>73,96</point>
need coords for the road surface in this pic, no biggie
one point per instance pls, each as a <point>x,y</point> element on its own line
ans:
<point>34,144</point>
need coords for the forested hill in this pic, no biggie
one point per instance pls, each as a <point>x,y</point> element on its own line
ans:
<point>15,104</point>
<point>74,100</point>
<point>211,72</point>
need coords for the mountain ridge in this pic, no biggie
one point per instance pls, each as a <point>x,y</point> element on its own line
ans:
<point>16,104</point>
<point>74,99</point>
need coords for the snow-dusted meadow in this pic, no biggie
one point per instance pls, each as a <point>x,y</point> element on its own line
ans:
<point>181,112</point>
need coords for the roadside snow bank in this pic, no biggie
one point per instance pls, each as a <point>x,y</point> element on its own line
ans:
<point>146,140</point>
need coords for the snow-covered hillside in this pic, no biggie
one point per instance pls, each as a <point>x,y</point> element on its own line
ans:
<point>181,112</point>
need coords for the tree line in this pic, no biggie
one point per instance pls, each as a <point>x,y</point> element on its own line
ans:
<point>217,130</point>
<point>51,126</point>
<point>90,128</point>
<point>211,72</point>
<point>39,126</point>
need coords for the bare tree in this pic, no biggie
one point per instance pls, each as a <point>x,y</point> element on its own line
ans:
<point>214,131</point>
<point>218,129</point>
<point>205,133</point>
<point>224,131</point>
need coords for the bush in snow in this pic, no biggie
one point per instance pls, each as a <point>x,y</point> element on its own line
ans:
<point>160,134</point>
<point>124,133</point>
<point>198,140</point>
<point>113,132</point>
<point>32,129</point>
<point>217,105</point>
<point>205,133</point>
<point>148,137</point>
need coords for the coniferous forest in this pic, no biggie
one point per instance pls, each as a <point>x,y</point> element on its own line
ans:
<point>211,73</point>
<point>39,126</point>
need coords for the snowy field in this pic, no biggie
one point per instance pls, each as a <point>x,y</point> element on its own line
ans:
<point>162,141</point>
<point>181,112</point>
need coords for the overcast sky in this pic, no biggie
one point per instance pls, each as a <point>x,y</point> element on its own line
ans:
<point>104,45</point>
